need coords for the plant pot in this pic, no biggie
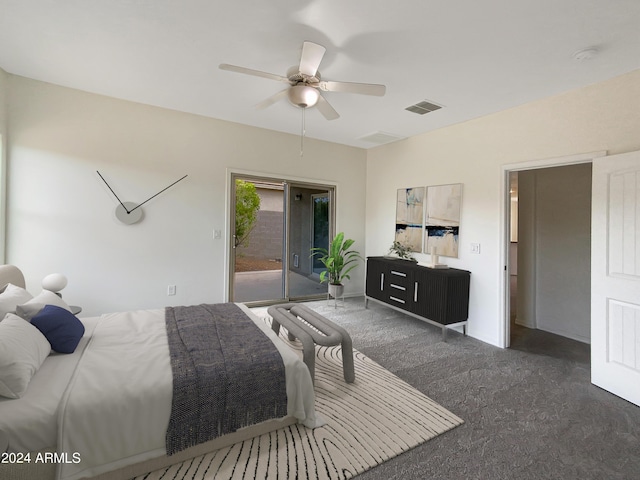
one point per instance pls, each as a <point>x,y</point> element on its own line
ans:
<point>336,290</point>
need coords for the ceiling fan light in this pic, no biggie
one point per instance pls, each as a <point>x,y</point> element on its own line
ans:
<point>303,96</point>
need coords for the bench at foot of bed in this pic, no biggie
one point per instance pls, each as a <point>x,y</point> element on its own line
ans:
<point>312,329</point>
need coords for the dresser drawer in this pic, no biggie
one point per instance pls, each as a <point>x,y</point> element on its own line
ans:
<point>398,295</point>
<point>398,278</point>
<point>398,288</point>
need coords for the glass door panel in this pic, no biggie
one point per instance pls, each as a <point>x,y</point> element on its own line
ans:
<point>258,242</point>
<point>320,228</point>
<point>309,225</point>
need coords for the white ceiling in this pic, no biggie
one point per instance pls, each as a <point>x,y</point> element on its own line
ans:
<point>473,57</point>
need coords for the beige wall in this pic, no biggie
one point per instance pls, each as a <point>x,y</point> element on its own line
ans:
<point>3,96</point>
<point>61,215</point>
<point>603,116</point>
<point>3,155</point>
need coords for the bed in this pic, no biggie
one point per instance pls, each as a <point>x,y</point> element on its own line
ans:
<point>111,407</point>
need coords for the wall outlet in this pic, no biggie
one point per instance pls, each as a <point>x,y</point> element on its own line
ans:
<point>171,290</point>
<point>217,234</point>
<point>475,248</point>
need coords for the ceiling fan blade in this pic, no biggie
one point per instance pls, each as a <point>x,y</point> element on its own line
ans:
<point>326,109</point>
<point>311,57</point>
<point>255,73</point>
<point>272,99</point>
<point>348,87</point>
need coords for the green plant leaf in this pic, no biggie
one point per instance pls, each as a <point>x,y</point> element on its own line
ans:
<point>337,259</point>
<point>246,214</point>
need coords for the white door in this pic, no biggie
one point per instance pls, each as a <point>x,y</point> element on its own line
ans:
<point>615,275</point>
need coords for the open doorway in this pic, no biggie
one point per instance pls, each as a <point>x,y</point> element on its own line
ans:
<point>548,229</point>
<point>273,232</point>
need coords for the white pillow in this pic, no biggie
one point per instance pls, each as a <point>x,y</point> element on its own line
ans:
<point>12,297</point>
<point>47,298</point>
<point>29,310</point>
<point>22,350</point>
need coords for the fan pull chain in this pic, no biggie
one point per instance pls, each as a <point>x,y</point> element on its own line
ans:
<point>302,134</point>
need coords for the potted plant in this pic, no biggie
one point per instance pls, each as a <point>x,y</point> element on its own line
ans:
<point>338,261</point>
<point>401,251</point>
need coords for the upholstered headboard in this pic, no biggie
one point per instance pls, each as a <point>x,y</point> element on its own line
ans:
<point>11,274</point>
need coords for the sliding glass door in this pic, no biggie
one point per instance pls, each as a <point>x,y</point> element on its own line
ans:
<point>309,225</point>
<point>275,224</point>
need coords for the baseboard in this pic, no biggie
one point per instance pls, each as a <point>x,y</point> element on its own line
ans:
<point>524,324</point>
<point>577,338</point>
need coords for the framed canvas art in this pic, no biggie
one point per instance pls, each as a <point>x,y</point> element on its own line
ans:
<point>442,219</point>
<point>409,217</point>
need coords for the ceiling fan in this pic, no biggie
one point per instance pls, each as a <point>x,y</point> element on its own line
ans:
<point>305,83</point>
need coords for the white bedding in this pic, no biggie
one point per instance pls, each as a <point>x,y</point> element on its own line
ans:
<point>30,422</point>
<point>116,409</point>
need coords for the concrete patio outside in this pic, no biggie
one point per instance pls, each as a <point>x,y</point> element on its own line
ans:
<point>267,285</point>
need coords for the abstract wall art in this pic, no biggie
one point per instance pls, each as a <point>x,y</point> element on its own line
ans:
<point>409,217</point>
<point>442,219</point>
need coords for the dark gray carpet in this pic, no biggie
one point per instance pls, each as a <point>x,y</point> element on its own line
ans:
<point>530,411</point>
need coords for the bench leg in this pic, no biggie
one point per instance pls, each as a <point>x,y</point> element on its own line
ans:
<point>345,340</point>
<point>275,326</point>
<point>309,355</point>
<point>347,359</point>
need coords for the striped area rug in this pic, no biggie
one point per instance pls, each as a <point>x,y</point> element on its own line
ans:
<point>369,421</point>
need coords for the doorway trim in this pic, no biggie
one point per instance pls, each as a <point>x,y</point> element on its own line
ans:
<point>505,221</point>
<point>231,174</point>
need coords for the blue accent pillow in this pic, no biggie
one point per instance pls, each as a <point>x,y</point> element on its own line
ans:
<point>61,327</point>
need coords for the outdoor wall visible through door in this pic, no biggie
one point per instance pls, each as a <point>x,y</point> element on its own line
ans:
<point>272,261</point>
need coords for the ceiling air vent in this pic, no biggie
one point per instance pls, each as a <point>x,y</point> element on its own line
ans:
<point>423,107</point>
<point>380,138</point>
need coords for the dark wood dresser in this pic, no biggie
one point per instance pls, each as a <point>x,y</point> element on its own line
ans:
<point>438,296</point>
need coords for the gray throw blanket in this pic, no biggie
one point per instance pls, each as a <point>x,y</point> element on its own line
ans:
<point>226,374</point>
